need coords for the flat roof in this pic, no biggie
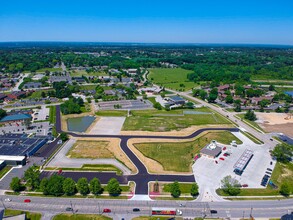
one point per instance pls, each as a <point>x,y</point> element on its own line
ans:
<point>176,98</point>
<point>243,160</point>
<point>14,158</point>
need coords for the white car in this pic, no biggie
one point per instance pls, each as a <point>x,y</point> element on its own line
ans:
<point>7,200</point>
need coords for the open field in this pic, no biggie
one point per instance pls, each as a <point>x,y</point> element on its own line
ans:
<point>29,215</point>
<point>76,73</point>
<point>275,122</point>
<point>251,123</point>
<point>171,78</point>
<point>64,216</point>
<point>90,149</point>
<point>48,69</point>
<point>159,120</point>
<point>283,173</point>
<point>178,156</point>
<point>89,167</point>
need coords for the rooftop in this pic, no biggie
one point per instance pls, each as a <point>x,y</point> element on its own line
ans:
<point>16,117</point>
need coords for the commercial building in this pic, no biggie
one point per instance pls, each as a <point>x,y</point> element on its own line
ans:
<point>212,150</point>
<point>243,161</point>
<point>15,118</point>
<point>14,148</point>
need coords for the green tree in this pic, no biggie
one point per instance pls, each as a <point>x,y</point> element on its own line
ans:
<point>157,105</point>
<point>55,185</point>
<point>83,186</point>
<point>229,99</point>
<point>64,136</point>
<point>194,189</point>
<point>283,152</point>
<point>203,94</point>
<point>285,189</point>
<point>44,186</point>
<point>69,187</point>
<point>230,185</point>
<point>95,186</point>
<point>250,115</point>
<point>2,113</point>
<point>175,189</point>
<point>113,187</point>
<point>32,177</point>
<point>15,184</point>
<point>271,87</point>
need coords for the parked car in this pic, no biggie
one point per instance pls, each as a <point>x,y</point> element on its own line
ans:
<point>271,163</point>
<point>136,209</point>
<point>245,185</point>
<point>7,200</point>
<point>214,211</point>
<point>222,158</point>
<point>269,169</point>
<point>68,209</point>
<point>216,161</point>
<point>107,210</point>
<point>27,200</point>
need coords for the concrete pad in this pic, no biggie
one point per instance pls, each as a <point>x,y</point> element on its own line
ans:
<point>141,198</point>
<point>108,125</point>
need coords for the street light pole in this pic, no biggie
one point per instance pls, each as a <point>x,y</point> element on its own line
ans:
<point>71,207</point>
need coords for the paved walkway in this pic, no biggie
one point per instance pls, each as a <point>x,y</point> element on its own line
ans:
<point>61,160</point>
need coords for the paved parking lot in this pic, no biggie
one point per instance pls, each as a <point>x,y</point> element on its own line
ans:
<point>208,174</point>
<point>39,128</point>
<point>41,114</point>
<point>125,104</point>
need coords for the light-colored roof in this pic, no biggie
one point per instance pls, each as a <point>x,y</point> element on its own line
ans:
<point>14,158</point>
<point>15,117</point>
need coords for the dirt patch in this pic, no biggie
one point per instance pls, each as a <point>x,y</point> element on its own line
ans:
<point>286,129</point>
<point>183,132</point>
<point>114,147</point>
<point>273,118</point>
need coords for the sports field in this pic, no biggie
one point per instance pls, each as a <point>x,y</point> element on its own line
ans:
<point>171,78</point>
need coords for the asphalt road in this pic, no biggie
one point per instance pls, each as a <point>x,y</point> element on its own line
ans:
<point>123,208</point>
<point>143,176</point>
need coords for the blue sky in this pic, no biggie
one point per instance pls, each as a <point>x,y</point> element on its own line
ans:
<point>150,21</point>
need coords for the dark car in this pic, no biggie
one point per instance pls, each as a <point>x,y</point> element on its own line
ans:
<point>214,211</point>
<point>269,169</point>
<point>68,209</point>
<point>136,209</point>
<point>268,173</point>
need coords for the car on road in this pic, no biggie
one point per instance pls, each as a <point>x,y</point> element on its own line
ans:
<point>27,200</point>
<point>136,210</point>
<point>7,200</point>
<point>214,211</point>
<point>269,169</point>
<point>226,154</point>
<point>68,209</point>
<point>106,210</point>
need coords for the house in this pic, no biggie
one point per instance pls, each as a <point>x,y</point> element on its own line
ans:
<point>132,71</point>
<point>176,100</point>
<point>16,95</point>
<point>256,100</point>
<point>15,118</point>
<point>63,78</point>
<point>154,90</point>
<point>2,96</point>
<point>32,85</point>
<point>224,87</point>
<point>79,79</point>
<point>211,150</point>
<point>110,92</point>
<point>114,71</point>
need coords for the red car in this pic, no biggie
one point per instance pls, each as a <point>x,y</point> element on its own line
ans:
<point>107,210</point>
<point>216,162</point>
<point>245,185</point>
<point>226,154</point>
<point>221,158</point>
<point>27,200</point>
<point>224,148</point>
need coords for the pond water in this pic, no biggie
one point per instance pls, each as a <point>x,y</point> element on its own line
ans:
<point>79,124</point>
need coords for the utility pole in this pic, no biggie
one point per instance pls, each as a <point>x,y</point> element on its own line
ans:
<point>3,204</point>
<point>71,207</point>
<point>251,213</point>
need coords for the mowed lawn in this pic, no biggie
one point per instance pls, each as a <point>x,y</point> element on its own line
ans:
<point>171,78</point>
<point>156,120</point>
<point>29,215</point>
<point>78,73</point>
<point>179,156</point>
<point>90,149</point>
<point>80,217</point>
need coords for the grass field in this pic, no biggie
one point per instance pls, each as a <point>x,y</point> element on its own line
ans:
<point>178,157</point>
<point>48,69</point>
<point>171,78</point>
<point>29,215</point>
<point>155,218</point>
<point>52,114</point>
<point>90,149</point>
<point>283,173</point>
<point>156,120</point>
<point>251,123</point>
<point>185,188</point>
<point>76,73</point>
<point>89,167</point>
<point>115,113</point>
<point>80,217</point>
<point>4,171</point>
